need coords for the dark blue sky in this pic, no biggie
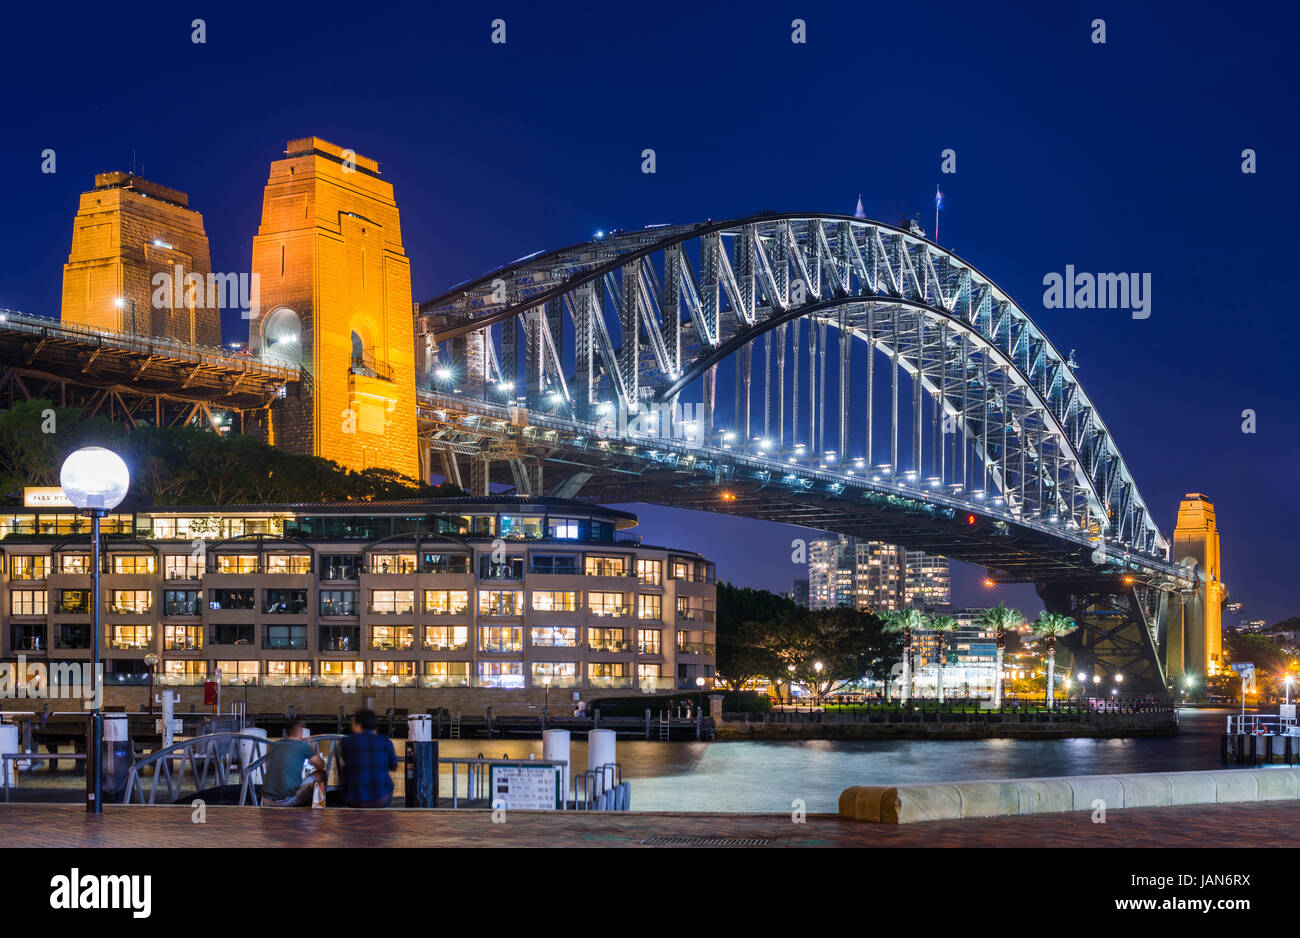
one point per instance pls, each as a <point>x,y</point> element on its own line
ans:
<point>1117,157</point>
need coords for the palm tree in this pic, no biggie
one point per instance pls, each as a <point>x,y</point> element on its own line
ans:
<point>1051,626</point>
<point>905,621</point>
<point>999,619</point>
<point>941,625</point>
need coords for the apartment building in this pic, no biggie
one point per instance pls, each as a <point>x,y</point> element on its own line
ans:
<point>502,594</point>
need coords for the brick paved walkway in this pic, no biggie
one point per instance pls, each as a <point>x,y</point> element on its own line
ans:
<point>1269,824</point>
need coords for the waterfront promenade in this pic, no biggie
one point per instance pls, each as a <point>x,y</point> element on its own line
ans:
<point>1271,824</point>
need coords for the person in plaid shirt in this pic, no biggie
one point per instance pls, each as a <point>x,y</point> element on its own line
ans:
<point>367,758</point>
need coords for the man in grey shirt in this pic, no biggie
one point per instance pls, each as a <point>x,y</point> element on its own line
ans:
<point>283,785</point>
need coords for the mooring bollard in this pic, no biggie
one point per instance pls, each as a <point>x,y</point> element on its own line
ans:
<point>555,748</point>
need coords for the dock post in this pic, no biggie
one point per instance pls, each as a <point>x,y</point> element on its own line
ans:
<point>1286,749</point>
<point>1268,749</point>
<point>1241,748</point>
<point>1254,749</point>
<point>1224,748</point>
<point>647,723</point>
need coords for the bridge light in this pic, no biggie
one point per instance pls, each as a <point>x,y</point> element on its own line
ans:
<point>729,436</point>
<point>443,374</point>
<point>764,444</point>
<point>1128,580</point>
<point>600,234</point>
<point>1119,679</point>
<point>988,581</point>
<point>971,519</point>
<point>119,302</point>
<point>728,496</point>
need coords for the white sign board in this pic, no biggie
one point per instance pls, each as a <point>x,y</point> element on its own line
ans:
<point>525,787</point>
<point>45,496</point>
<point>1286,711</point>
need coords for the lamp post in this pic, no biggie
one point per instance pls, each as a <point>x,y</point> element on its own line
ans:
<point>95,480</point>
<point>817,683</point>
<point>393,679</point>
<point>546,698</point>
<point>699,682</point>
<point>151,660</point>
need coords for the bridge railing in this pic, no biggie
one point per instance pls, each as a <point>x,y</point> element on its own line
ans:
<point>27,324</point>
<point>586,437</point>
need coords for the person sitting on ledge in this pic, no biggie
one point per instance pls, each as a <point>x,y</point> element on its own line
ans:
<point>367,758</point>
<point>284,785</point>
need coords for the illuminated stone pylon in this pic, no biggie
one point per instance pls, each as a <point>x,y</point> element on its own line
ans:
<point>129,231</point>
<point>335,288</point>
<point>1194,630</point>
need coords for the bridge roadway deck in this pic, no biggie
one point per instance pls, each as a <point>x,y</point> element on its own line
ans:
<point>1266,824</point>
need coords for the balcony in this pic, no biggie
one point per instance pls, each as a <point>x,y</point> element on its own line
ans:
<point>608,645</point>
<point>610,681</point>
<point>694,648</point>
<point>437,645</point>
<point>368,367</point>
<point>444,680</point>
<point>610,612</point>
<point>557,680</point>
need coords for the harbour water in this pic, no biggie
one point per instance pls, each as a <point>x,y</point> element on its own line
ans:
<point>764,776</point>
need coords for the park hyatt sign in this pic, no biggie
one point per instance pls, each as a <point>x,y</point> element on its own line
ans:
<point>45,496</point>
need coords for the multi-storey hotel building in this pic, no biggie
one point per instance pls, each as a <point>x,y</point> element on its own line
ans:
<point>507,598</point>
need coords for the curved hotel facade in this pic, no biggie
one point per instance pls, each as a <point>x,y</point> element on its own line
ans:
<point>488,600</point>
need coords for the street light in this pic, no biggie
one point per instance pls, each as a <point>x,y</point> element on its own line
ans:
<point>817,683</point>
<point>95,480</point>
<point>394,681</point>
<point>546,699</point>
<point>699,682</point>
<point>151,660</point>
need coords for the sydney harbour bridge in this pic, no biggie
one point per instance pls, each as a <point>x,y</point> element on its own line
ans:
<point>819,370</point>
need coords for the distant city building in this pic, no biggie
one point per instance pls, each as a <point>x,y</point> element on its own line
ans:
<point>874,576</point>
<point>1233,607</point>
<point>1253,625</point>
<point>799,593</point>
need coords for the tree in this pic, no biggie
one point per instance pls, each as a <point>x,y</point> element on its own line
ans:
<point>1000,619</point>
<point>846,642</point>
<point>1050,626</point>
<point>942,626</point>
<point>904,622</point>
<point>189,465</point>
<point>745,617</point>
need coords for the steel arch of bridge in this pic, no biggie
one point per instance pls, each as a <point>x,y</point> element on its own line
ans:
<point>653,311</point>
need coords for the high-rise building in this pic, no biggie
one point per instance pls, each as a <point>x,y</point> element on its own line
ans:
<point>139,264</point>
<point>928,583</point>
<point>799,593</point>
<point>874,576</point>
<point>335,291</point>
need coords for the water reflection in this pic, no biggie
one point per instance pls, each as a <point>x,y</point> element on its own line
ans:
<point>768,776</point>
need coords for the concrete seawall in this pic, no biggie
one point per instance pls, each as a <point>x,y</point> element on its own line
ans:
<point>907,804</point>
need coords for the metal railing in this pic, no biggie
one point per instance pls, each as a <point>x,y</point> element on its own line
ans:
<point>212,760</point>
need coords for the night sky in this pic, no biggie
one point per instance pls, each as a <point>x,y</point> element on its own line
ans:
<point>1117,157</point>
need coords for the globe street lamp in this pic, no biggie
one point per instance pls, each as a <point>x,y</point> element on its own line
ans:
<point>546,699</point>
<point>95,480</point>
<point>699,682</point>
<point>151,660</point>
<point>817,683</point>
